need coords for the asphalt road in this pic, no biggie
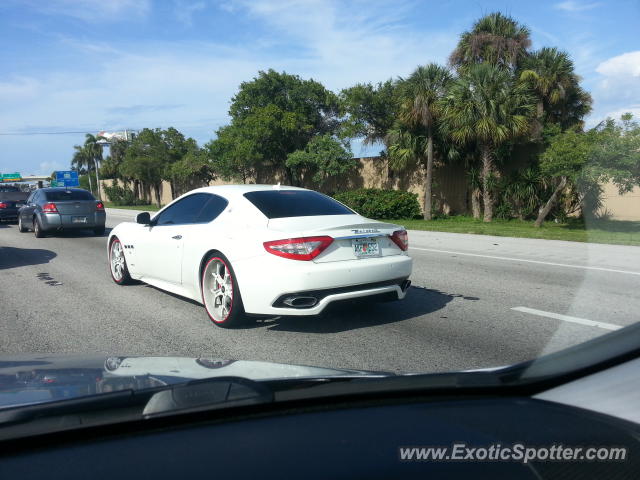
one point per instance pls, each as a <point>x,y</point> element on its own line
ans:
<point>476,302</point>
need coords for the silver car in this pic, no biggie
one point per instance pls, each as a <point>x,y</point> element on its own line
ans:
<point>54,209</point>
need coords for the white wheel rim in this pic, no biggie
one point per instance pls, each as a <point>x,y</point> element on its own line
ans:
<point>117,260</point>
<point>217,288</point>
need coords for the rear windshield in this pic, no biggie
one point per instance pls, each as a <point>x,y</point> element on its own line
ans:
<point>62,195</point>
<point>295,203</point>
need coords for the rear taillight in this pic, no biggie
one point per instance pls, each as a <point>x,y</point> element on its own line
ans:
<point>303,248</point>
<point>3,205</point>
<point>401,238</point>
<point>50,208</point>
<point>99,206</point>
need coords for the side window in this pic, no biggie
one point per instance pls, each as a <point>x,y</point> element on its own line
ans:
<point>30,198</point>
<point>183,211</point>
<point>214,207</point>
<point>37,197</point>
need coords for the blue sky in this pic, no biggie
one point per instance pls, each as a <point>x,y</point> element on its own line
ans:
<point>91,65</point>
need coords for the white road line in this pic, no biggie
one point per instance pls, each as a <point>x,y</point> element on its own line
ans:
<point>511,259</point>
<point>567,318</point>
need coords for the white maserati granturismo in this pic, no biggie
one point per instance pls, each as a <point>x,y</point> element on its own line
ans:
<point>261,250</point>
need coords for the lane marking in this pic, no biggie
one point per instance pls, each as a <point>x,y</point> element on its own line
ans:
<point>568,318</point>
<point>511,259</point>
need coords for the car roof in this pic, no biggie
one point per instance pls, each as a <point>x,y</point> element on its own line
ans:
<point>63,189</point>
<point>239,190</point>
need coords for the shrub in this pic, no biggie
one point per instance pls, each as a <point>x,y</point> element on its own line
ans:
<point>121,196</point>
<point>375,203</point>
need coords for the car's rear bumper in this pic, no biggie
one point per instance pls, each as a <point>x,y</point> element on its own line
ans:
<point>266,281</point>
<point>57,221</point>
<point>8,214</point>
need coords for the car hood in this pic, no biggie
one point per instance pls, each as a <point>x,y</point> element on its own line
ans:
<point>27,379</point>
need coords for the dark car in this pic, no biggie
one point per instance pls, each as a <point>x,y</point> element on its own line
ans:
<point>11,199</point>
<point>55,209</point>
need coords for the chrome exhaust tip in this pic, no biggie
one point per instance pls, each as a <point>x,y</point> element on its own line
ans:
<point>300,302</point>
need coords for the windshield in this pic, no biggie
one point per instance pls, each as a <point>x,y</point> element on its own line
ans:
<point>399,187</point>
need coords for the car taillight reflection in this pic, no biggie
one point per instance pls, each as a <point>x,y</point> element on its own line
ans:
<point>50,208</point>
<point>401,239</point>
<point>303,248</point>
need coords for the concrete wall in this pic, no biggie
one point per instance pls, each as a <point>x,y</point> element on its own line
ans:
<point>621,207</point>
<point>450,187</point>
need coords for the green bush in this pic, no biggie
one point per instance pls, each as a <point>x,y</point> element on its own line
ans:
<point>375,203</point>
<point>121,196</point>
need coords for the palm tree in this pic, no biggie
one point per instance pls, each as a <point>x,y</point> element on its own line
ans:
<point>94,151</point>
<point>496,39</point>
<point>485,105</point>
<point>82,160</point>
<point>550,73</point>
<point>420,110</point>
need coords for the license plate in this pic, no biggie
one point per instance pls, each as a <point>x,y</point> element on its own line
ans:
<point>365,247</point>
<point>78,219</point>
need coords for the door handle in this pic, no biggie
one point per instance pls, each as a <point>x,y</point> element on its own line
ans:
<point>177,237</point>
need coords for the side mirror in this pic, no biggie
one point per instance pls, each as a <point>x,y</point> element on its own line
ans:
<point>143,218</point>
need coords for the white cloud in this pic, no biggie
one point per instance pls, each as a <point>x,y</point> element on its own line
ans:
<point>368,42</point>
<point>576,6</point>
<point>617,89</point>
<point>627,64</point>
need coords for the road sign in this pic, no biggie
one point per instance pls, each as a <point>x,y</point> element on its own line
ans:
<point>11,177</point>
<point>67,179</point>
<point>53,183</point>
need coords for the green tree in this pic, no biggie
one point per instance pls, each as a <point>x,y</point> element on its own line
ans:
<point>234,153</point>
<point>82,161</point>
<point>486,106</point>
<point>146,160</point>
<point>193,169</point>
<point>496,39</point>
<point>550,73</point>
<point>93,150</point>
<point>421,96</point>
<point>323,158</point>
<point>370,111</point>
<point>563,161</point>
<point>283,113</point>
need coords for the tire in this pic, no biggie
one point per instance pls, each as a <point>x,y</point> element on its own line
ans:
<point>21,227</point>
<point>37,228</point>
<point>119,270</point>
<point>220,293</point>
<point>98,232</point>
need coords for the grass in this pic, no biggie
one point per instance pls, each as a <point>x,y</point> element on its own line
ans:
<point>594,231</point>
<point>147,208</point>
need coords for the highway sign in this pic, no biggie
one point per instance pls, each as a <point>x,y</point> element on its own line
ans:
<point>11,177</point>
<point>67,179</point>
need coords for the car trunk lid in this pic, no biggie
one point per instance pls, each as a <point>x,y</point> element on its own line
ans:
<point>354,236</point>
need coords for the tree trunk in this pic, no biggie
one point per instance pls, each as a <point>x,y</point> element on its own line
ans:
<point>551,202</point>
<point>537,133</point>
<point>90,182</point>
<point>428,179</point>
<point>97,177</point>
<point>158,187</point>
<point>476,193</point>
<point>487,169</point>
